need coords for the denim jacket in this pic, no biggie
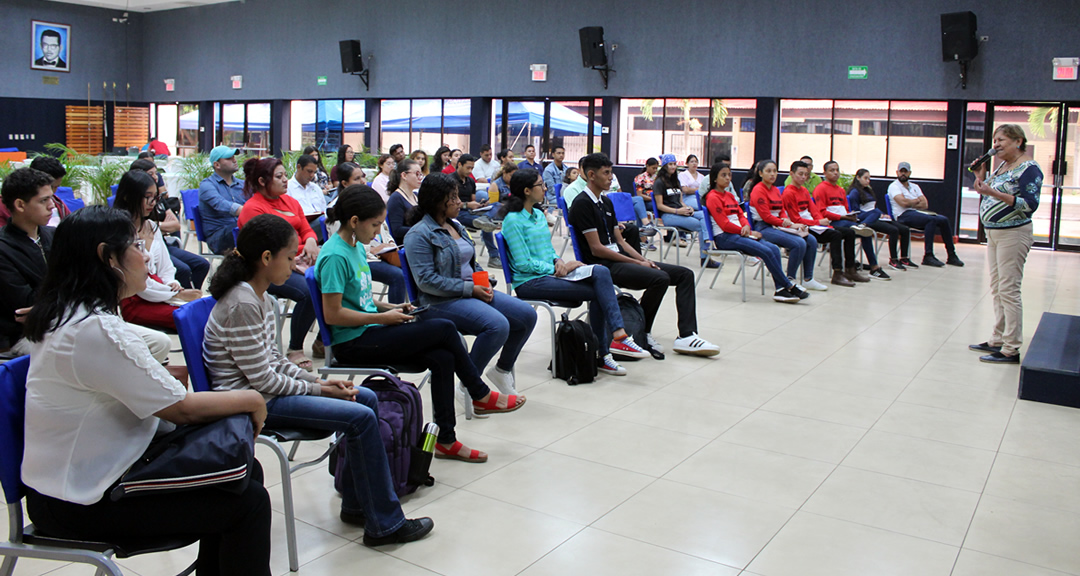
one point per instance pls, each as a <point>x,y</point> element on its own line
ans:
<point>435,262</point>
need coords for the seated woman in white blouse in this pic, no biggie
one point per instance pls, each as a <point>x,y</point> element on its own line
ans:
<point>95,399</point>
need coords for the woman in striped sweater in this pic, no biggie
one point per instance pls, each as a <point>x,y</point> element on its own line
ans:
<point>240,353</point>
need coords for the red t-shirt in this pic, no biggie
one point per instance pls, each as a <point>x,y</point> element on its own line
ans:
<point>725,211</point>
<point>798,203</point>
<point>827,195</point>
<point>284,206</point>
<point>158,148</point>
<point>766,201</point>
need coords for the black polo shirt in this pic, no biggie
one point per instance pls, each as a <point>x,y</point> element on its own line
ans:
<point>466,188</point>
<point>588,215</point>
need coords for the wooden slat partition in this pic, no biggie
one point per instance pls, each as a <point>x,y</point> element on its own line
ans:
<point>131,127</point>
<point>85,128</point>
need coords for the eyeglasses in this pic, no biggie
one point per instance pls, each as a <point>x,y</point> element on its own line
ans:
<point>141,245</point>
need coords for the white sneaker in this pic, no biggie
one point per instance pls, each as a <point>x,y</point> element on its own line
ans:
<point>812,284</point>
<point>695,345</point>
<point>552,218</point>
<point>503,381</point>
<point>653,343</point>
<point>610,366</point>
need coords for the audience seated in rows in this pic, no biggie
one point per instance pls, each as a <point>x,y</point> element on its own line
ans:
<point>265,187</point>
<point>404,181</point>
<point>240,354</point>
<point>421,158</point>
<point>302,188</point>
<point>831,200</point>
<point>95,399</point>
<point>861,198</point>
<point>691,181</point>
<point>772,220</point>
<point>530,160</point>
<point>910,207</point>
<point>56,171</point>
<point>322,177</point>
<point>221,197</point>
<point>485,168</point>
<point>365,331</point>
<point>345,154</point>
<point>668,192</point>
<point>471,216</point>
<point>386,167</point>
<point>191,269</point>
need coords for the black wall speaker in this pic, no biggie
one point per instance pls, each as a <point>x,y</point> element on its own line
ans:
<point>350,57</point>
<point>592,46</point>
<point>958,41</point>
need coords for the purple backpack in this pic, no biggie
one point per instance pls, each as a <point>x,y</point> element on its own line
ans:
<point>401,423</point>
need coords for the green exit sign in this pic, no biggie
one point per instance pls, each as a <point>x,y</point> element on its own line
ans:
<point>322,80</point>
<point>856,72</point>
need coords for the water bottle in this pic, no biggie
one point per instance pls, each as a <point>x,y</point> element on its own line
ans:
<point>429,437</point>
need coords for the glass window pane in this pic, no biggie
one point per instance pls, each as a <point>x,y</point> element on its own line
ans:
<point>426,127</point>
<point>569,129</point>
<point>640,129</point>
<point>355,113</point>
<point>301,124</point>
<point>686,127</point>
<point>496,124</point>
<point>598,124</point>
<point>232,125</point>
<point>917,136</point>
<point>328,120</point>
<point>1069,231</point>
<point>974,140</point>
<point>1040,127</point>
<point>525,125</point>
<point>394,123</point>
<point>258,123</point>
<point>166,125</point>
<point>187,138</point>
<point>153,118</point>
<point>457,118</point>
<point>805,130</point>
<point>732,122</point>
<point>859,135</point>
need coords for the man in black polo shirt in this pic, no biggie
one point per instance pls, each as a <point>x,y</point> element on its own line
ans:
<point>597,233</point>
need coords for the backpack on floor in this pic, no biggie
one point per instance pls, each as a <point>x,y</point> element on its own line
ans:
<point>633,316</point>
<point>401,424</point>
<point>576,351</point>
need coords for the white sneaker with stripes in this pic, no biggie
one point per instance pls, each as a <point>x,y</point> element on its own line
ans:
<point>695,345</point>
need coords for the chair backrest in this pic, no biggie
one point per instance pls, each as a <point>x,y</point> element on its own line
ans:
<point>316,302</point>
<point>111,200</point>
<point>574,242</point>
<point>321,223</point>
<point>561,203</point>
<point>504,257</point>
<point>708,221</point>
<point>198,224</point>
<point>749,214</point>
<point>189,198</point>
<point>190,320</point>
<point>888,206</point>
<point>624,206</point>
<point>558,189</point>
<point>235,235</point>
<point>113,188</point>
<point>12,426</point>
<point>67,195</point>
<point>410,284</point>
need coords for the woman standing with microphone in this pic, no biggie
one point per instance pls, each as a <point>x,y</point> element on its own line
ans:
<point>1010,195</point>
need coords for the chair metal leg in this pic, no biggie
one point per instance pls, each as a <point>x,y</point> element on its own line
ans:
<point>292,451</point>
<point>287,496</point>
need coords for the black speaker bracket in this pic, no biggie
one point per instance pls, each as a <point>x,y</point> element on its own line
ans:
<point>963,74</point>
<point>606,70</point>
<point>365,76</point>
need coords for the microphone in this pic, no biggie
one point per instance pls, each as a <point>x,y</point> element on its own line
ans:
<point>984,158</point>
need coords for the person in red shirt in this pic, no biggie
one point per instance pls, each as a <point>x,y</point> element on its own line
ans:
<point>265,186</point>
<point>731,231</point>
<point>801,209</point>
<point>767,209</point>
<point>833,204</point>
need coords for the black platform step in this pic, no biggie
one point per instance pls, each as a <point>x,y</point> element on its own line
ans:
<point>1050,369</point>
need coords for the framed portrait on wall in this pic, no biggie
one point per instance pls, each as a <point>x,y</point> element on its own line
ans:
<point>51,48</point>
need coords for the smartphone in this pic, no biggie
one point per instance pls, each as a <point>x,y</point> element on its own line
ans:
<point>417,310</point>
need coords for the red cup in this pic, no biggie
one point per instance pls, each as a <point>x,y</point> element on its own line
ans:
<point>481,278</point>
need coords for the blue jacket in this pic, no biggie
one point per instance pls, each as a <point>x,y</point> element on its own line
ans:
<point>435,262</point>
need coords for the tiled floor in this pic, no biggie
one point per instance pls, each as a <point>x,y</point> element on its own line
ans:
<point>851,435</point>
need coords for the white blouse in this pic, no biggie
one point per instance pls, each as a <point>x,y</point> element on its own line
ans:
<point>161,265</point>
<point>91,394</point>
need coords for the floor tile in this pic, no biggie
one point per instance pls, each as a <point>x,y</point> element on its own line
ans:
<point>972,563</point>
<point>358,559</point>
<point>679,414</point>
<point>629,446</point>
<point>974,430</point>
<point>1039,482</point>
<point>535,425</point>
<point>930,461</point>
<point>828,405</point>
<point>1044,432</point>
<point>794,435</point>
<point>1026,532</point>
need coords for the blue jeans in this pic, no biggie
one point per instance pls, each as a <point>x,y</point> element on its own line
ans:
<point>368,488</point>
<point>391,276</point>
<point>691,201</point>
<point>867,242</point>
<point>504,323</point>
<point>931,226</point>
<point>191,269</point>
<point>639,209</point>
<point>597,290</point>
<point>767,251</point>
<point>695,223</point>
<point>221,240</point>
<point>466,218</point>
<point>800,250</point>
<point>303,315</point>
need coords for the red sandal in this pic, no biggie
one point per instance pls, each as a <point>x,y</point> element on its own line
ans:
<point>460,452</point>
<point>498,403</point>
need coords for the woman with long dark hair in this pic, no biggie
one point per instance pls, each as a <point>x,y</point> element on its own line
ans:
<point>442,159</point>
<point>404,182</point>
<point>421,158</point>
<point>539,274</point>
<point>861,198</point>
<point>345,154</point>
<point>442,260</point>
<point>322,178</point>
<point>265,185</point>
<point>365,331</point>
<point>136,195</point>
<point>95,399</point>
<point>673,210</point>
<point>386,167</point>
<point>240,354</point>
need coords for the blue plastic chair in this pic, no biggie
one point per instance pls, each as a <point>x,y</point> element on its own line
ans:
<point>549,305</point>
<point>723,254</point>
<point>190,200</point>
<point>410,284</point>
<point>658,223</point>
<point>564,218</point>
<point>624,206</point>
<point>321,223</point>
<point>24,541</point>
<point>67,196</point>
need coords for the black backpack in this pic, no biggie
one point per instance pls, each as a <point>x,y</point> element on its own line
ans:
<point>633,316</point>
<point>576,351</point>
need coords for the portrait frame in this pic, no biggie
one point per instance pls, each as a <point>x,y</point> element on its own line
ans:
<point>39,60</point>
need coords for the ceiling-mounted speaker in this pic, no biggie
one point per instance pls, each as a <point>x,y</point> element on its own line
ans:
<point>351,62</point>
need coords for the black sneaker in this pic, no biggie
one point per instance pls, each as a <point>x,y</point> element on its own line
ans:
<point>909,264</point>
<point>879,274</point>
<point>999,358</point>
<point>931,260</point>
<point>784,295</point>
<point>411,531</point>
<point>897,265</point>
<point>710,263</point>
<point>953,260</point>
<point>797,290</point>
<point>984,347</point>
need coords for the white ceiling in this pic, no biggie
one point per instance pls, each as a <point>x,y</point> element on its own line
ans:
<point>143,5</point>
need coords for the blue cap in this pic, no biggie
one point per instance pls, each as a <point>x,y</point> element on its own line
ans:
<point>667,158</point>
<point>220,152</point>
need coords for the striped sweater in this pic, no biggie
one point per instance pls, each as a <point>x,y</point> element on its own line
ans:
<point>239,349</point>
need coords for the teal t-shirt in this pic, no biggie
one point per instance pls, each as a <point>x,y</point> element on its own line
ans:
<point>343,269</point>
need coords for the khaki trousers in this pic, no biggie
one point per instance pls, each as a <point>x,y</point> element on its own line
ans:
<point>1007,252</point>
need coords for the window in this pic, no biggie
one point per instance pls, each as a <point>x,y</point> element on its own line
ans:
<point>326,124</point>
<point>165,125</point>
<point>187,134</point>
<point>426,124</point>
<point>548,123</point>
<point>974,140</point>
<point>682,126</point>
<point>352,128</point>
<point>301,124</point>
<point>244,126</point>
<point>871,134</point>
